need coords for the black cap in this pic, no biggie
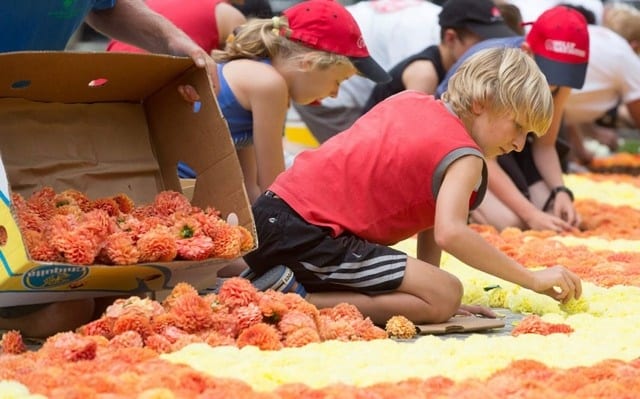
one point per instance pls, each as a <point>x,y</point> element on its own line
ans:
<point>481,17</point>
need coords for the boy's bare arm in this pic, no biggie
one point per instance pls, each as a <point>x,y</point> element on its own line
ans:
<point>452,234</point>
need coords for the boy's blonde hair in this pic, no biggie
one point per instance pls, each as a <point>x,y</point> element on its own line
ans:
<point>267,38</point>
<point>508,82</point>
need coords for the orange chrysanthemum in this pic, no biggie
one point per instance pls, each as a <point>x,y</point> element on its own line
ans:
<point>169,202</point>
<point>246,238</point>
<point>127,339</point>
<point>102,327</point>
<point>177,291</point>
<point>237,291</point>
<point>262,335</point>
<point>192,312</point>
<point>246,316</point>
<point>341,329</point>
<point>295,320</point>
<point>12,343</point>
<point>158,343</point>
<point>226,242</point>
<point>69,347</point>
<point>157,245</point>
<point>125,203</point>
<point>301,337</point>
<point>133,321</point>
<point>119,249</point>
<point>215,338</point>
<point>195,248</point>
<point>272,304</point>
<point>108,205</point>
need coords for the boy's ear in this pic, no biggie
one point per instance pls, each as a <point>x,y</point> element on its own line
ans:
<point>449,36</point>
<point>477,108</point>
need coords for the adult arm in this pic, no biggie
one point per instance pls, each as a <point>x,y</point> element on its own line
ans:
<point>454,236</point>
<point>133,22</point>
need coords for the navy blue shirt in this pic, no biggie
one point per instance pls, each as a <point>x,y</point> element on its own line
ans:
<point>27,25</point>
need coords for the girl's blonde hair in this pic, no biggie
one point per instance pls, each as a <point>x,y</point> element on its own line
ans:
<point>268,38</point>
<point>508,82</point>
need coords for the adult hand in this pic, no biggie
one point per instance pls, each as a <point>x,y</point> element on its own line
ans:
<point>559,283</point>
<point>186,46</point>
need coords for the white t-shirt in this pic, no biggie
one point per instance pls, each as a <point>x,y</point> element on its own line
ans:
<point>531,9</point>
<point>613,77</point>
<point>393,30</point>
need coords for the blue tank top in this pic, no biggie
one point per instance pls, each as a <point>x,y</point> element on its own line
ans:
<point>239,119</point>
<point>43,25</point>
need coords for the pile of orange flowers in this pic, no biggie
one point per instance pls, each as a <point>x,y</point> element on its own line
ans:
<point>237,315</point>
<point>69,227</point>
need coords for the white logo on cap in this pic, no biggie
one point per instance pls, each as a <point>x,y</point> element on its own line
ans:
<point>360,42</point>
<point>562,47</point>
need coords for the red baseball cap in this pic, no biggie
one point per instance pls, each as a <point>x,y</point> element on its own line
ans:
<point>326,25</point>
<point>559,39</point>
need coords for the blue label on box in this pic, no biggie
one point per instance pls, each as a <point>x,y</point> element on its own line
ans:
<point>49,276</point>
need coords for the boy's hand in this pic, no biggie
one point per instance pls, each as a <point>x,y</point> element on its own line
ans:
<point>559,283</point>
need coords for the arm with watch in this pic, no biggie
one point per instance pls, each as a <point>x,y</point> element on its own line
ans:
<point>529,212</point>
<point>559,202</point>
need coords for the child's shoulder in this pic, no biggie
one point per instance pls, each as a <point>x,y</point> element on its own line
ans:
<point>261,74</point>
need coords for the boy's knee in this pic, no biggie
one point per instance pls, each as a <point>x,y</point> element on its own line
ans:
<point>449,301</point>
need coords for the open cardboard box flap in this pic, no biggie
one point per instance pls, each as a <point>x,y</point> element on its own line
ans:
<point>107,123</point>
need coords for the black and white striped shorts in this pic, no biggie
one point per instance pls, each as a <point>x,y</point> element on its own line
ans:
<point>320,261</point>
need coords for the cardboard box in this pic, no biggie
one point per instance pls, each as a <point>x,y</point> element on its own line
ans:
<point>106,123</point>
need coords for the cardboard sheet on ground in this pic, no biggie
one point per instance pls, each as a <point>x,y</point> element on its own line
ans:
<point>461,324</point>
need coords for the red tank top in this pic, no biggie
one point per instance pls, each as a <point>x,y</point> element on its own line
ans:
<point>197,18</point>
<point>379,178</point>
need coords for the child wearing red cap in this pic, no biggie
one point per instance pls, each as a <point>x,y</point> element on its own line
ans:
<point>331,217</point>
<point>301,56</point>
<point>526,189</point>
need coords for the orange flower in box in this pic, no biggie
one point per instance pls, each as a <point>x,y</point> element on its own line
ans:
<point>112,230</point>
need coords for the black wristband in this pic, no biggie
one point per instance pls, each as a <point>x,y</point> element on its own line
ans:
<point>564,189</point>
<point>555,192</point>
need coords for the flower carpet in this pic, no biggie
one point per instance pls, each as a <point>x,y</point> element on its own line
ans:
<point>588,348</point>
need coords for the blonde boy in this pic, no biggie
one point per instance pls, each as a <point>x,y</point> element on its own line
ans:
<point>412,165</point>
